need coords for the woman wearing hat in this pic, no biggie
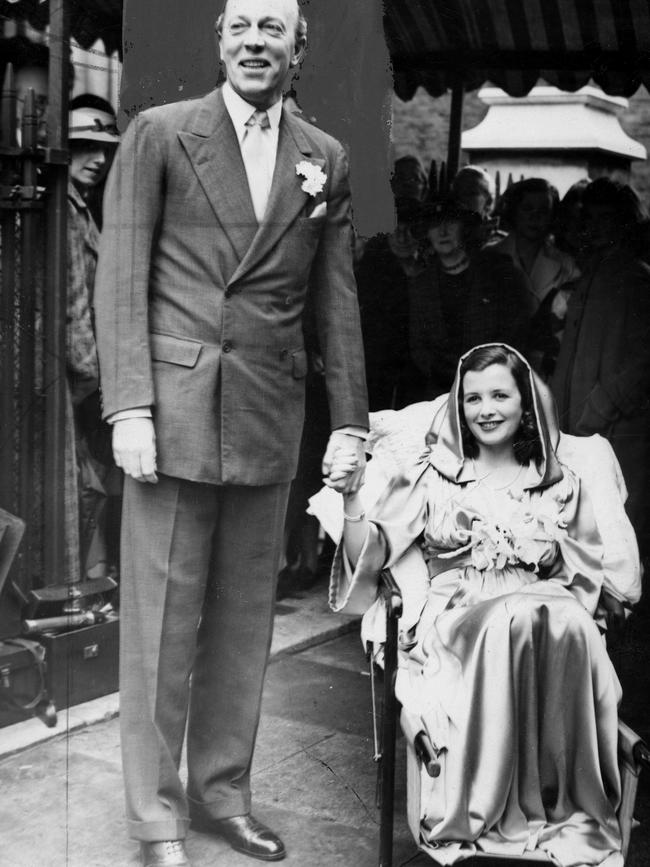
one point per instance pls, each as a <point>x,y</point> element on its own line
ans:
<point>92,139</point>
<point>464,296</point>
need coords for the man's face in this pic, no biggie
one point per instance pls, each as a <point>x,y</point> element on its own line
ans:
<point>257,47</point>
<point>88,163</point>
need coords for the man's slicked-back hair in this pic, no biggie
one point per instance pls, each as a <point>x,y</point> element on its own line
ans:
<point>300,37</point>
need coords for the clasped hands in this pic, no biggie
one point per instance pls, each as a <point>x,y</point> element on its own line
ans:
<point>344,463</point>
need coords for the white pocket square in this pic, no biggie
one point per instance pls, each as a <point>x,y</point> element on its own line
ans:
<point>319,211</point>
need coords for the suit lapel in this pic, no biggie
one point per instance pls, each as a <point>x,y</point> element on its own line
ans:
<point>212,147</point>
<point>286,198</point>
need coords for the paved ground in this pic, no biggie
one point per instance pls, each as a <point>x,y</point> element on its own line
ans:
<point>313,777</point>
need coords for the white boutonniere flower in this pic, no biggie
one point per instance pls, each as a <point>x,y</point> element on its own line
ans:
<point>314,177</point>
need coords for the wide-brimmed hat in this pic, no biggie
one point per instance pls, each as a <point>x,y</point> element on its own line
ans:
<point>92,124</point>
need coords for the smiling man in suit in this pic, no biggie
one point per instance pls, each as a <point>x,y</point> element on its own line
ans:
<point>224,216</point>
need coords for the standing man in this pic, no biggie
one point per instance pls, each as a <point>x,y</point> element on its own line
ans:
<point>224,216</point>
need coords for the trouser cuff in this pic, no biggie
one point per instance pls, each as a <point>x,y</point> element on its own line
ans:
<point>222,808</point>
<point>151,832</point>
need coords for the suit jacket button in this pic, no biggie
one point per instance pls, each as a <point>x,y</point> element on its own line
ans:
<point>228,293</point>
<point>226,346</point>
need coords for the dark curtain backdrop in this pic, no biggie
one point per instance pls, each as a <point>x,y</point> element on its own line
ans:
<point>344,84</point>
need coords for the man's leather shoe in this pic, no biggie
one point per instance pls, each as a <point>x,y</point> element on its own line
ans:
<point>166,853</point>
<point>245,834</point>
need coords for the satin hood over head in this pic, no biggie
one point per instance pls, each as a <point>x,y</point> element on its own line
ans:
<point>447,453</point>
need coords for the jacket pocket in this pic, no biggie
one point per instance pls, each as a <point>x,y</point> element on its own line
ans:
<point>175,350</point>
<point>299,364</point>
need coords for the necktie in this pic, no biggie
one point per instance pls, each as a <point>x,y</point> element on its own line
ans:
<point>256,153</point>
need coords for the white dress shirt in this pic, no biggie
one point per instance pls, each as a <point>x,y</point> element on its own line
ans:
<point>260,171</point>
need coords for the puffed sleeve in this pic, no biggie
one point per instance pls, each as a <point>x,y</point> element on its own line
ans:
<point>396,521</point>
<point>593,460</point>
<point>579,566</point>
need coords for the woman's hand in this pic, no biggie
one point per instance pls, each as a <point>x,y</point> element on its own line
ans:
<point>344,463</point>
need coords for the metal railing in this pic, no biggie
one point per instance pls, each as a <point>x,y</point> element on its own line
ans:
<point>33,212</point>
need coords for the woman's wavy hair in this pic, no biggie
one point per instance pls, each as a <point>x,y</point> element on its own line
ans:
<point>513,197</point>
<point>528,443</point>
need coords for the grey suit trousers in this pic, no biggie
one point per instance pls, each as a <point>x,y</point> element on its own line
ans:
<point>199,569</point>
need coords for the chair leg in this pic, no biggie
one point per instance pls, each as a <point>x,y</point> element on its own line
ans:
<point>389,734</point>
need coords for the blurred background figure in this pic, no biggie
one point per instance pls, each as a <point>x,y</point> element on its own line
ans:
<point>602,379</point>
<point>382,273</point>
<point>463,297</point>
<point>93,139</point>
<point>568,222</point>
<point>474,189</point>
<point>527,212</point>
<point>409,179</point>
<point>548,325</point>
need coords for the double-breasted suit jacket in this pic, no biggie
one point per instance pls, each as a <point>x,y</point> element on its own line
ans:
<point>200,311</point>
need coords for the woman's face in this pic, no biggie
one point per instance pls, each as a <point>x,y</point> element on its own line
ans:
<point>533,216</point>
<point>88,162</point>
<point>446,237</point>
<point>492,406</point>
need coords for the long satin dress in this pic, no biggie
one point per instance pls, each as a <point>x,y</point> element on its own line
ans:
<point>505,668</point>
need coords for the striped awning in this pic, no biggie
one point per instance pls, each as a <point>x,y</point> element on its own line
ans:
<point>436,44</point>
<point>90,20</point>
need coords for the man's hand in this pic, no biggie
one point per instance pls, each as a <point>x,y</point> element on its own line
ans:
<point>134,448</point>
<point>348,475</point>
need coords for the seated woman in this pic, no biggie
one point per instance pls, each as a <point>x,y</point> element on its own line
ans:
<point>505,669</point>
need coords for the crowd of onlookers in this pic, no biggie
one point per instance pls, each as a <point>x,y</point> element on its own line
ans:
<point>563,281</point>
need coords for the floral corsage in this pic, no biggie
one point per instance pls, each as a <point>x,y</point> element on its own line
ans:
<point>314,177</point>
<point>525,537</point>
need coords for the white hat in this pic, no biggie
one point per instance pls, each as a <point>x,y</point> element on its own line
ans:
<point>92,124</point>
